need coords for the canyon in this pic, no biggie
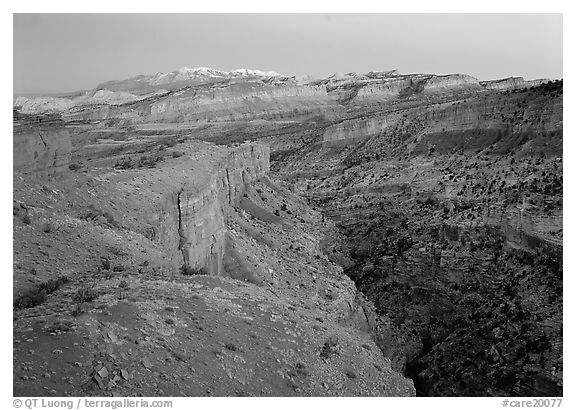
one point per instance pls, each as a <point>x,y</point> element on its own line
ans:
<point>251,233</point>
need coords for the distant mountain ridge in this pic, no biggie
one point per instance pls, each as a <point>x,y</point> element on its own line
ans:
<point>188,82</point>
<point>183,75</point>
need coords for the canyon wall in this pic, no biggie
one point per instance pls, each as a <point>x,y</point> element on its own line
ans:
<point>354,130</point>
<point>511,83</point>
<point>42,150</point>
<point>192,220</point>
<point>241,101</point>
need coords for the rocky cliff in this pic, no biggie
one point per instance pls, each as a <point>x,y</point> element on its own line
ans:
<point>258,309</point>
<point>212,95</point>
<point>511,83</point>
<point>42,149</point>
<point>202,214</point>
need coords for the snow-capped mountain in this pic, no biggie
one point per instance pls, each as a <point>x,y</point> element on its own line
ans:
<point>139,87</point>
<point>147,83</point>
<point>186,74</point>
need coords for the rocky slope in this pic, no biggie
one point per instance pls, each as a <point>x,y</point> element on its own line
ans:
<point>454,214</point>
<point>175,267</point>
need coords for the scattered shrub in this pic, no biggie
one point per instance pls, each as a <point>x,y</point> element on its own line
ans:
<point>116,251</point>
<point>86,293</point>
<point>106,263</point>
<point>189,271</point>
<point>26,219</point>
<point>74,167</point>
<point>123,288</point>
<point>301,369</point>
<point>124,163</point>
<point>330,348</point>
<point>110,219</point>
<point>47,227</point>
<point>351,374</point>
<point>230,346</point>
<point>37,295</point>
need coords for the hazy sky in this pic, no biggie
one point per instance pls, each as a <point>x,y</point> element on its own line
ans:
<point>66,52</point>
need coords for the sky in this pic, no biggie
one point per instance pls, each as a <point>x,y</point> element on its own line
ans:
<point>55,53</point>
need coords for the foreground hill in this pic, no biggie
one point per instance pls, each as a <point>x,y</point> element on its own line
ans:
<point>179,268</point>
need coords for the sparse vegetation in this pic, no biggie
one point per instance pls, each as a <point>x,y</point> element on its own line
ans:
<point>37,295</point>
<point>330,348</point>
<point>47,227</point>
<point>86,293</point>
<point>190,271</point>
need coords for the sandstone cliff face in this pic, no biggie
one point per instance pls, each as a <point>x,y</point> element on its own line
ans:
<point>43,104</point>
<point>41,151</point>
<point>511,83</point>
<point>353,130</point>
<point>240,101</point>
<point>202,216</point>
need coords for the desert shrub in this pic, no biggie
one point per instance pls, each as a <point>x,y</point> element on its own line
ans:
<point>230,346</point>
<point>110,218</point>
<point>123,285</point>
<point>74,167</point>
<point>149,161</point>
<point>300,369</point>
<point>86,293</point>
<point>100,217</point>
<point>124,163</point>
<point>77,310</point>
<point>106,263</point>
<point>117,251</point>
<point>330,348</point>
<point>189,271</point>
<point>26,219</point>
<point>177,154</point>
<point>37,295</point>
<point>60,326</point>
